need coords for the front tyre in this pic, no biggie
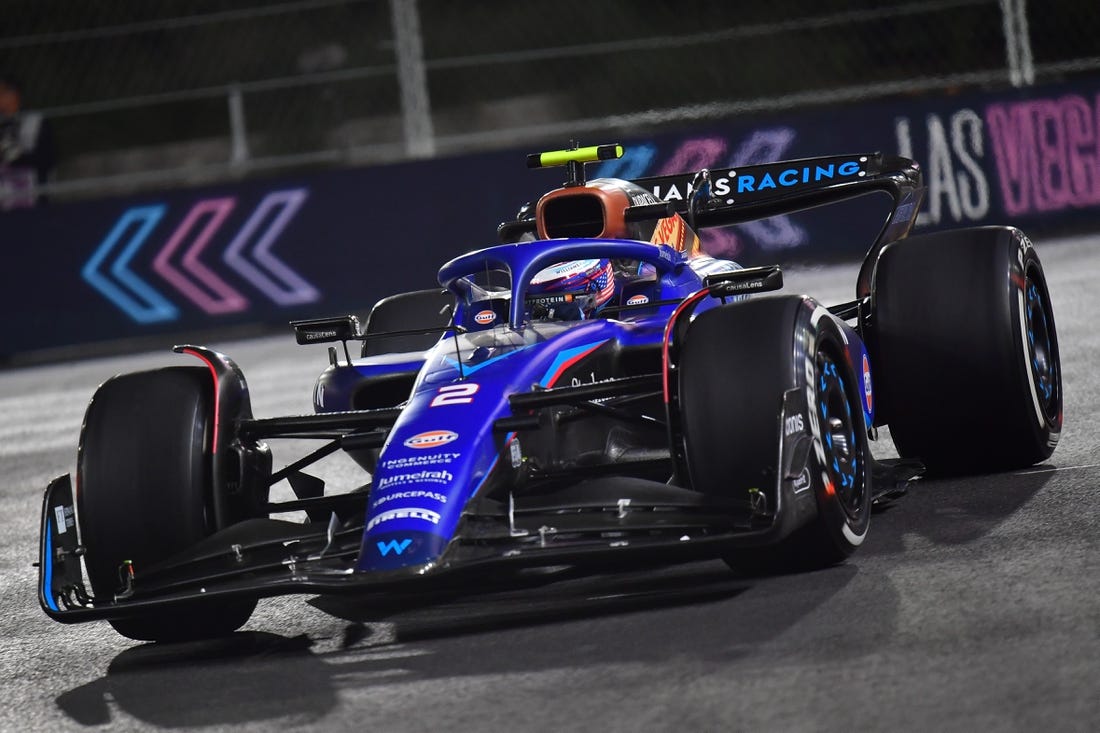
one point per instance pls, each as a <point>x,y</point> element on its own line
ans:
<point>843,457</point>
<point>143,478</point>
<point>736,366</point>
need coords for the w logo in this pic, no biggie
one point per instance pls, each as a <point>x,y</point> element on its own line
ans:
<point>393,546</point>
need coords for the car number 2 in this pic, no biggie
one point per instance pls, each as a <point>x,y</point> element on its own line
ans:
<point>454,394</point>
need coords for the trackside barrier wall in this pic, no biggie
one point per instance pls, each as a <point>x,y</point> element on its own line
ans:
<point>152,267</point>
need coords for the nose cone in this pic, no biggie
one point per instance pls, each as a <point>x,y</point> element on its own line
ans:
<point>396,550</point>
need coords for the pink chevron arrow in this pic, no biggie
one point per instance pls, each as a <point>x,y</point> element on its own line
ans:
<point>276,280</point>
<point>203,288</point>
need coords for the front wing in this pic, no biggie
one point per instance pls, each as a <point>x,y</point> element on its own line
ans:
<point>260,558</point>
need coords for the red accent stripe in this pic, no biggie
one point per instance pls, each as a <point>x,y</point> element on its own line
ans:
<point>689,301</point>
<point>217,406</point>
<point>570,363</point>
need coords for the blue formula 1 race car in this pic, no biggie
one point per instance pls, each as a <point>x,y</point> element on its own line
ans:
<point>594,393</point>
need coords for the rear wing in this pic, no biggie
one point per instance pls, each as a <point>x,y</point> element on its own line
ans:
<point>725,196</point>
<point>745,193</point>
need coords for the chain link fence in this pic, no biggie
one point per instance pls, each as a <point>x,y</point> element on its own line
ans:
<point>180,92</point>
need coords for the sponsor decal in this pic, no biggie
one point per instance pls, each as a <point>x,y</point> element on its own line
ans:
<point>565,270</point>
<point>413,494</point>
<point>516,453</point>
<point>428,459</point>
<point>793,424</point>
<point>763,145</point>
<point>867,381</point>
<point>637,299</point>
<point>427,476</point>
<point>430,439</point>
<point>455,394</point>
<point>385,548</point>
<point>789,177</point>
<point>485,317</point>
<point>770,179</point>
<point>590,378</point>
<point>59,514</point>
<point>411,513</point>
<point>734,286</point>
<point>317,335</point>
<point>546,301</point>
<point>803,481</point>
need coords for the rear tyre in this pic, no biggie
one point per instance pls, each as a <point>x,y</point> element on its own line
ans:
<point>966,352</point>
<point>736,364</point>
<point>143,478</point>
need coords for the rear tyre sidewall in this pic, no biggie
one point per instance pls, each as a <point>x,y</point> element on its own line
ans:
<point>143,478</point>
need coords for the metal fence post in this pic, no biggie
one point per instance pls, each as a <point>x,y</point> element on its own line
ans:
<point>1021,66</point>
<point>238,130</point>
<point>412,79</point>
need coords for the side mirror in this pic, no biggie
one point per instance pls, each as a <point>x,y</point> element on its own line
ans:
<point>744,282</point>
<point>324,330</point>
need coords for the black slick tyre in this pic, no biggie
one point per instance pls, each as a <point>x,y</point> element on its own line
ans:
<point>736,364</point>
<point>965,351</point>
<point>143,478</point>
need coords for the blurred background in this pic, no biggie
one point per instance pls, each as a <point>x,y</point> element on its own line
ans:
<point>181,92</point>
<point>197,166</point>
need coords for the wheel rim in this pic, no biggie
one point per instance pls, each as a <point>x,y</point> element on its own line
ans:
<point>1041,349</point>
<point>843,454</point>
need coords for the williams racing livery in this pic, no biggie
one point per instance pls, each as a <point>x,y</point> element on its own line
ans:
<point>592,393</point>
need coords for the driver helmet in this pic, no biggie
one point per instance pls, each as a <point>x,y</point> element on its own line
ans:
<point>574,290</point>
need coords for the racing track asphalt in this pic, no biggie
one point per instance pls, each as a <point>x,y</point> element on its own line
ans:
<point>974,605</point>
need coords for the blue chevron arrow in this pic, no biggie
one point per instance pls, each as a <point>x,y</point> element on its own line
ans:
<point>149,306</point>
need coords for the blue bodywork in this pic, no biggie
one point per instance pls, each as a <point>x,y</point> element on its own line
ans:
<point>539,429</point>
<point>443,448</point>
